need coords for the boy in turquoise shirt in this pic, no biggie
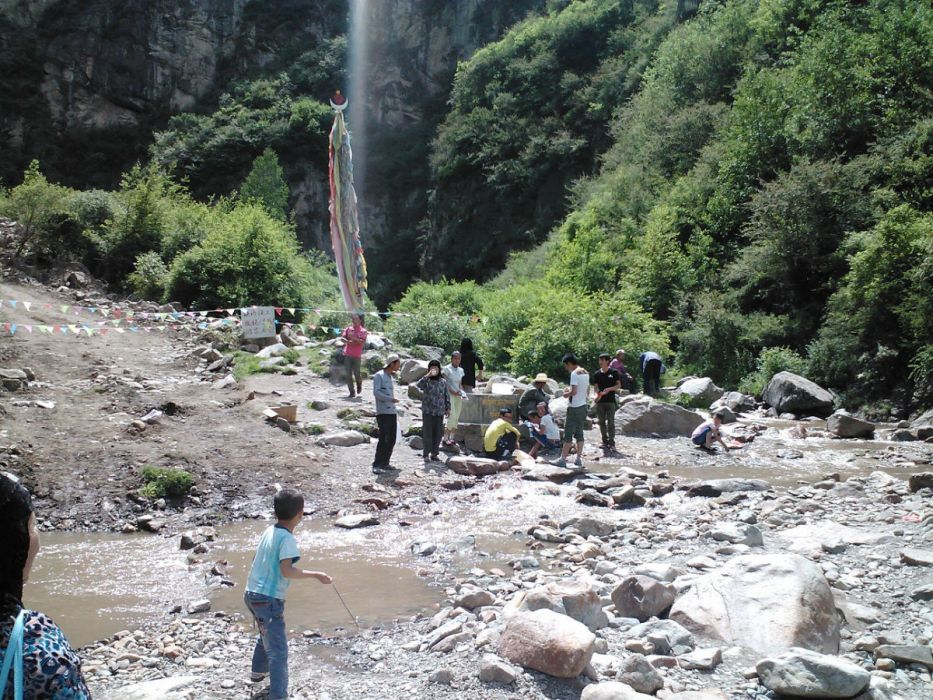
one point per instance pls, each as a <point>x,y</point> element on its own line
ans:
<point>272,570</point>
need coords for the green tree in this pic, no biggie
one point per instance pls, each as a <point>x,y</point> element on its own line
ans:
<point>140,216</point>
<point>265,185</point>
<point>878,323</point>
<point>246,258</point>
<point>40,207</point>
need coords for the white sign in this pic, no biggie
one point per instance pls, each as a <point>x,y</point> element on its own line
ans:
<point>258,322</point>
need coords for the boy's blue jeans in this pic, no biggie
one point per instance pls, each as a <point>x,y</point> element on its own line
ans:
<point>271,652</point>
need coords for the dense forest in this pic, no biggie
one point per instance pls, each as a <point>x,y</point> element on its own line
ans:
<point>741,185</point>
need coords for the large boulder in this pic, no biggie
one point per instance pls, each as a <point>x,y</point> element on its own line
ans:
<point>429,352</point>
<point>790,393</point>
<point>644,415</point>
<point>548,642</point>
<point>807,674</point>
<point>923,419</point>
<point>574,598</point>
<point>412,370</point>
<point>843,424</point>
<point>768,603</point>
<point>642,597</point>
<point>699,392</point>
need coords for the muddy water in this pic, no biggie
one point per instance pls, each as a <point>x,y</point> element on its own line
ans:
<point>97,584</point>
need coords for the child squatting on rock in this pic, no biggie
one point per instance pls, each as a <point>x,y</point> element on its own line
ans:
<point>269,577</point>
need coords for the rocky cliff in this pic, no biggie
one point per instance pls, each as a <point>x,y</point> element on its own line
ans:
<point>84,84</point>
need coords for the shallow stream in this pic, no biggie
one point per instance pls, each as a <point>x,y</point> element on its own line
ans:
<point>95,584</point>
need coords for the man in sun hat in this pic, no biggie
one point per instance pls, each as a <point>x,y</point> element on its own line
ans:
<point>386,415</point>
<point>533,396</point>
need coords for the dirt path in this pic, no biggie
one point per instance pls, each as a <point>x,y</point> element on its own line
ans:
<point>82,460</point>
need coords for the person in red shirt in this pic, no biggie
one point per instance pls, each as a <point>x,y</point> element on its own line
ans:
<point>355,337</point>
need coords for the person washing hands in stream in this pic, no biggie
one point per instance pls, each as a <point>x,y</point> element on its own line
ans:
<point>707,432</point>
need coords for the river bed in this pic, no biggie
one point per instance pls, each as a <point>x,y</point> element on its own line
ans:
<point>96,584</point>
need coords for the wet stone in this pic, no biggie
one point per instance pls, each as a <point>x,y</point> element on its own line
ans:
<point>917,557</point>
<point>905,654</point>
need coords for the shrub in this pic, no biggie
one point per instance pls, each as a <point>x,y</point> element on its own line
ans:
<point>147,280</point>
<point>438,329</point>
<point>247,258</point>
<point>142,211</point>
<point>265,185</point>
<point>41,209</point>
<point>771,361</point>
<point>461,298</point>
<point>505,313</point>
<point>587,325</point>
<point>159,482</point>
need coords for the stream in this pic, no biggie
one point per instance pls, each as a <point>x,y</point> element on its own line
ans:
<point>96,584</point>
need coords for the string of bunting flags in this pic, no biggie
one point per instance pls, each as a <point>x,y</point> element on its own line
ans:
<point>118,312</point>
<point>121,320</point>
<point>101,327</point>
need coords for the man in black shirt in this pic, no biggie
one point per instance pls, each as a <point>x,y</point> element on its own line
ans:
<point>607,382</point>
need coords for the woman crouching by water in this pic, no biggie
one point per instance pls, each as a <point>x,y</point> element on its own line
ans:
<point>48,668</point>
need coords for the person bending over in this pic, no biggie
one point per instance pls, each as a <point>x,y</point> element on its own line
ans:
<point>501,436</point>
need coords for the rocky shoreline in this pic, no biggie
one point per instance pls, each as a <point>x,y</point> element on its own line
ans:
<point>633,591</point>
<point>640,573</point>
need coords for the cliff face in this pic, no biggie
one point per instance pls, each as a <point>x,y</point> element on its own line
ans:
<point>112,62</point>
<point>413,50</point>
<point>84,83</point>
<point>95,69</point>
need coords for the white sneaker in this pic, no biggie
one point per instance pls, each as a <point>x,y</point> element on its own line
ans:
<point>561,462</point>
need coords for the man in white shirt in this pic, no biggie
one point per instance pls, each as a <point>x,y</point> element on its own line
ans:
<point>576,412</point>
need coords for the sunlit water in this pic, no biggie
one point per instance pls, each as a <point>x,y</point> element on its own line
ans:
<point>99,583</point>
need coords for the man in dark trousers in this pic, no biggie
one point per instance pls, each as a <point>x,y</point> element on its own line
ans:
<point>608,383</point>
<point>651,370</point>
<point>386,414</point>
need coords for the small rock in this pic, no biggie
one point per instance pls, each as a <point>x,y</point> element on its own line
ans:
<point>917,557</point>
<point>442,676</point>
<point>701,659</point>
<point>922,480</point>
<point>356,520</point>
<point>801,672</point>
<point>638,673</point>
<point>905,654</point>
<point>612,690</point>
<point>472,597</point>
<point>642,597</point>
<point>492,669</point>
<point>199,606</point>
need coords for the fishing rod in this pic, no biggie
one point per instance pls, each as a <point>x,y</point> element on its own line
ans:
<point>345,607</point>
